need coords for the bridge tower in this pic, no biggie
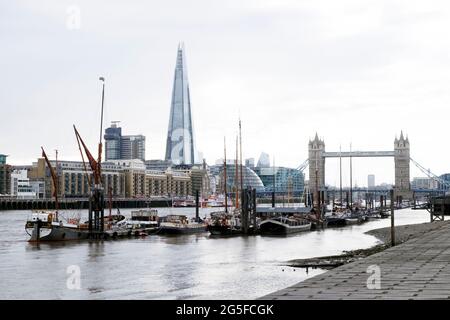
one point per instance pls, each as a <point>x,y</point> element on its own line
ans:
<point>316,150</point>
<point>402,186</point>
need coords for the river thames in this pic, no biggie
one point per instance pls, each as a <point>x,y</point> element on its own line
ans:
<point>170,267</point>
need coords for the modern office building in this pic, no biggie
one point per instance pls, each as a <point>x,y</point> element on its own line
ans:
<point>5,175</point>
<point>264,160</point>
<point>20,185</point>
<point>118,146</point>
<point>250,162</point>
<point>113,136</point>
<point>160,165</point>
<point>249,177</point>
<point>424,183</point>
<point>180,148</point>
<point>132,147</point>
<point>446,178</point>
<point>371,181</point>
<point>286,179</point>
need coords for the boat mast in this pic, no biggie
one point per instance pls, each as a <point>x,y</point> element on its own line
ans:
<point>96,199</point>
<point>225,173</point>
<point>274,181</point>
<point>240,152</point>
<point>57,183</point>
<point>110,201</point>
<point>273,189</point>
<point>340,173</point>
<point>351,179</point>
<point>236,178</point>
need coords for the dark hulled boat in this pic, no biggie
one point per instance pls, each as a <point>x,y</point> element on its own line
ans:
<point>284,225</point>
<point>180,224</point>
<point>225,224</point>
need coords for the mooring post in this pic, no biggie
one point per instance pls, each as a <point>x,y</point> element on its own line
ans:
<point>432,207</point>
<point>443,207</point>
<point>319,203</point>
<point>381,204</point>
<point>333,200</point>
<point>392,219</point>
<point>254,210</point>
<point>273,199</point>
<point>196,206</point>
<point>347,199</point>
<point>244,211</point>
<point>90,213</point>
<point>324,204</point>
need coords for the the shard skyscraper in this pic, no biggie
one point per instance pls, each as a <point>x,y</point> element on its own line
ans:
<point>180,136</point>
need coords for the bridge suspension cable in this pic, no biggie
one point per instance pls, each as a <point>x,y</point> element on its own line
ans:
<point>303,166</point>
<point>431,175</point>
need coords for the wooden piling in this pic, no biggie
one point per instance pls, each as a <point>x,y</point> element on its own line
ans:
<point>392,219</point>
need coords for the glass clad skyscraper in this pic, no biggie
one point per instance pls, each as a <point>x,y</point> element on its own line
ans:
<point>113,136</point>
<point>180,147</point>
<point>118,146</point>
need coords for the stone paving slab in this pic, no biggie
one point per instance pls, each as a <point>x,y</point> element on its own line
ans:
<point>417,269</point>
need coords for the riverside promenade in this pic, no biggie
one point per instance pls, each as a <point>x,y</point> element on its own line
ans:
<point>416,269</point>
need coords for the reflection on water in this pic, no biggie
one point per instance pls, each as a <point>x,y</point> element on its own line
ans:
<point>168,266</point>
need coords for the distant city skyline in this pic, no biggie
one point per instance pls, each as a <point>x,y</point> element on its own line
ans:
<point>351,72</point>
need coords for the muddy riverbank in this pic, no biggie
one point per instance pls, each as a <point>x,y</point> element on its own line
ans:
<point>402,234</point>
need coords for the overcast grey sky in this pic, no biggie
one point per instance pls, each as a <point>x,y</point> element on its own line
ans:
<point>354,71</point>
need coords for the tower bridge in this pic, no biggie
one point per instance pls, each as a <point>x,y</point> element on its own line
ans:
<point>401,155</point>
<point>358,154</point>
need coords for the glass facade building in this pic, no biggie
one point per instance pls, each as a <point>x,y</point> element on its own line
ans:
<point>286,179</point>
<point>180,147</point>
<point>113,136</point>
<point>3,158</point>
<point>132,147</point>
<point>264,160</point>
<point>119,147</point>
<point>446,178</point>
<point>5,175</point>
<point>249,177</point>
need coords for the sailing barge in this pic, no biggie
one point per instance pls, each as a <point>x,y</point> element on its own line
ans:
<point>47,226</point>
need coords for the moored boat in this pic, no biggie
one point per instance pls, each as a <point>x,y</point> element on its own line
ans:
<point>144,221</point>
<point>224,224</point>
<point>180,224</point>
<point>284,225</point>
<point>43,226</point>
<point>351,220</point>
<point>335,220</point>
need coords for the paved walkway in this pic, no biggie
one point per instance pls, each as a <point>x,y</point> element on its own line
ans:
<point>416,269</point>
